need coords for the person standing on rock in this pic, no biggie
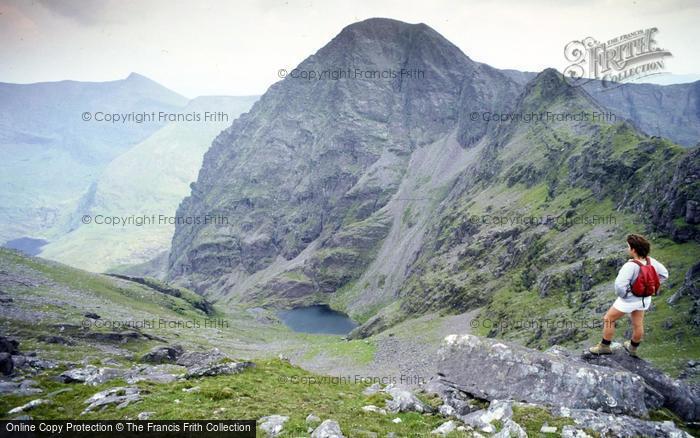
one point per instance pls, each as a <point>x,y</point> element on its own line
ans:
<point>638,280</point>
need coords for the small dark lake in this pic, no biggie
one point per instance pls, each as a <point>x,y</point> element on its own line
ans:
<point>27,245</point>
<point>318,318</point>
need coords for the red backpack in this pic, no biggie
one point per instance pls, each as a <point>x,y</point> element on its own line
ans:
<point>647,283</point>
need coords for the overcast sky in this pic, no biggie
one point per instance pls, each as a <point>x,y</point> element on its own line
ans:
<point>236,47</point>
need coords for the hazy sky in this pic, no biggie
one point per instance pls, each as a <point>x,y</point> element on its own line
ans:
<point>236,47</point>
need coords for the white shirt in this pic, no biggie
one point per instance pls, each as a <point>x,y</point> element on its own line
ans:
<point>628,274</point>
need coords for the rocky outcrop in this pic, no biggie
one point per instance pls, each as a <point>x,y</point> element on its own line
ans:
<point>216,369</point>
<point>200,358</point>
<point>661,390</point>
<point>495,370</point>
<point>21,388</point>
<point>119,396</point>
<point>164,354</point>
<point>90,375</point>
<point>617,384</point>
<point>9,354</point>
<point>670,202</point>
<point>691,289</point>
<point>28,406</point>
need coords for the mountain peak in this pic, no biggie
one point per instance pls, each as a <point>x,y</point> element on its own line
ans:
<point>378,26</point>
<point>391,43</point>
<point>136,77</point>
<point>549,84</point>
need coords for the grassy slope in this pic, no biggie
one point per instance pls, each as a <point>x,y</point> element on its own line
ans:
<point>273,387</point>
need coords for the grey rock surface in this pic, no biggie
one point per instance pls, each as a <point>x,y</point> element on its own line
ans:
<point>200,358</point>
<point>217,369</point>
<point>119,396</point>
<point>620,425</point>
<point>273,425</point>
<point>28,406</point>
<point>495,370</point>
<point>661,390</point>
<point>328,429</point>
<point>403,400</point>
<point>163,354</point>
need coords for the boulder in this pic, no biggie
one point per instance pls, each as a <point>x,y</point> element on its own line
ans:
<point>28,406</point>
<point>7,365</point>
<point>164,373</point>
<point>404,401</point>
<point>144,415</point>
<point>511,429</point>
<point>33,362</point>
<point>200,358</point>
<point>22,388</point>
<point>493,370</point>
<point>163,354</point>
<point>8,345</point>
<point>482,419</point>
<point>445,428</point>
<point>120,396</point>
<point>272,425</point>
<point>328,429</point>
<point>90,375</point>
<point>217,369</point>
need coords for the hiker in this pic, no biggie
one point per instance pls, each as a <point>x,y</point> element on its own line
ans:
<point>638,280</point>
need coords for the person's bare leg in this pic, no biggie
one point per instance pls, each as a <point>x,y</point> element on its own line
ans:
<point>637,325</point>
<point>637,332</point>
<point>609,319</point>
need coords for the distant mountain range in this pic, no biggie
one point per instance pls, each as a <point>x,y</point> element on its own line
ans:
<point>389,198</point>
<point>58,167</point>
<point>151,178</point>
<point>669,111</point>
<point>51,155</point>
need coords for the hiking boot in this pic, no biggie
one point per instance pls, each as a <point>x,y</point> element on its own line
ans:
<point>631,349</point>
<point>600,349</point>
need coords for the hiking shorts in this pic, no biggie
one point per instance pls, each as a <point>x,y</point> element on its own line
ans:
<point>630,305</point>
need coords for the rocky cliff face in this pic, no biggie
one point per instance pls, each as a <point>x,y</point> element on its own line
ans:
<point>463,189</point>
<point>305,178</point>
<point>613,395</point>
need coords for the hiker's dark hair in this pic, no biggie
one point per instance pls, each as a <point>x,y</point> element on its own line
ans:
<point>639,244</point>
